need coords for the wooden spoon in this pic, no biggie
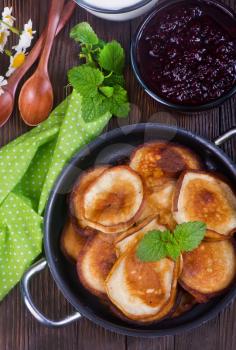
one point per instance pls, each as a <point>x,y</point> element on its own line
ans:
<point>7,99</point>
<point>36,97</point>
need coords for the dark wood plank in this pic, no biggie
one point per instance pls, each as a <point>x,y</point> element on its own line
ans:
<point>163,343</point>
<point>18,330</point>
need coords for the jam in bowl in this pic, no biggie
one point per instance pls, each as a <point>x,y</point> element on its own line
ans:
<point>184,54</point>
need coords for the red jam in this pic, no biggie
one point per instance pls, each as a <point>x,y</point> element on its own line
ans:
<point>187,53</point>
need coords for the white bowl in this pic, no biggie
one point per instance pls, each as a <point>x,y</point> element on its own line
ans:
<point>122,14</point>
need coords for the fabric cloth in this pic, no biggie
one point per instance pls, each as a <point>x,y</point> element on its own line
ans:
<point>29,167</point>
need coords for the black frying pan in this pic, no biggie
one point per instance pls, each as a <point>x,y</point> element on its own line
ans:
<point>114,147</point>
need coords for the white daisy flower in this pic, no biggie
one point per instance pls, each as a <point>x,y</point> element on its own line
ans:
<point>4,33</point>
<point>16,61</point>
<point>28,28</point>
<point>7,16</point>
<point>26,37</point>
<point>3,82</point>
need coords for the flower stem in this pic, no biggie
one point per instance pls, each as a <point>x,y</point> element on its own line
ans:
<point>8,53</point>
<point>108,76</point>
<point>12,29</point>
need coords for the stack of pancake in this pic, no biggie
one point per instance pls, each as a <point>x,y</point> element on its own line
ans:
<point>113,207</point>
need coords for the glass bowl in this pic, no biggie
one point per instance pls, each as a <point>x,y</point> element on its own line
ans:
<point>229,19</point>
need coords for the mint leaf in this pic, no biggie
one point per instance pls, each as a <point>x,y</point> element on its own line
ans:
<point>157,245</point>
<point>173,250</point>
<point>112,57</point>
<point>189,235</point>
<point>84,33</point>
<point>85,80</point>
<point>119,105</point>
<point>107,91</point>
<point>153,246</point>
<point>115,79</point>
<point>101,43</point>
<point>94,107</point>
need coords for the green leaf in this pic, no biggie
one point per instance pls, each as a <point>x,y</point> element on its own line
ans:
<point>112,57</point>
<point>173,250</point>
<point>115,79</point>
<point>157,245</point>
<point>84,33</point>
<point>94,107</point>
<point>107,91</point>
<point>119,105</point>
<point>101,43</point>
<point>85,80</point>
<point>153,246</point>
<point>189,235</point>
<point>96,49</point>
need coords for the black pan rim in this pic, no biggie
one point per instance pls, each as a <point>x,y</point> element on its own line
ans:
<point>222,304</point>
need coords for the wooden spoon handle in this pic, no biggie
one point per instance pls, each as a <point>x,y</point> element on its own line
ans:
<point>14,80</point>
<point>54,17</point>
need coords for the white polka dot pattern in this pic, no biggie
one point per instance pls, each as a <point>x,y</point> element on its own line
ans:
<point>29,167</point>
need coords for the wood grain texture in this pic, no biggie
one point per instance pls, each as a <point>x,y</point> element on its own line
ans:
<point>18,330</point>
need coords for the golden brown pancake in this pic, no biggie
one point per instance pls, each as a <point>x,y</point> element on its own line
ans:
<point>113,202</point>
<point>158,162</point>
<point>212,236</point>
<point>143,291</point>
<point>95,262</point>
<point>141,223</point>
<point>85,180</point>
<point>160,201</point>
<point>71,242</point>
<point>201,196</point>
<point>186,303</point>
<point>209,269</point>
<point>124,241</point>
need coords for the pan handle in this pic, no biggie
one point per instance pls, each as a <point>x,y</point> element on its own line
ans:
<point>36,268</point>
<point>225,137</point>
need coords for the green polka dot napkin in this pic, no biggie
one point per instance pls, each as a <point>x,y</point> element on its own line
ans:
<point>29,167</point>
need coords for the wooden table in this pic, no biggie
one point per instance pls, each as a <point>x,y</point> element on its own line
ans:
<point>18,330</point>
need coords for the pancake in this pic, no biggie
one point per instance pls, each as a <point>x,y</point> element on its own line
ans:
<point>84,181</point>
<point>160,201</point>
<point>185,303</point>
<point>124,241</point>
<point>209,270</point>
<point>71,242</point>
<point>161,198</point>
<point>202,196</point>
<point>158,162</point>
<point>212,236</point>
<point>94,264</point>
<point>113,202</point>
<point>136,227</point>
<point>143,291</point>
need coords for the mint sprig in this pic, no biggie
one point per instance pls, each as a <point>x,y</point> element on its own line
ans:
<point>157,245</point>
<point>99,80</point>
